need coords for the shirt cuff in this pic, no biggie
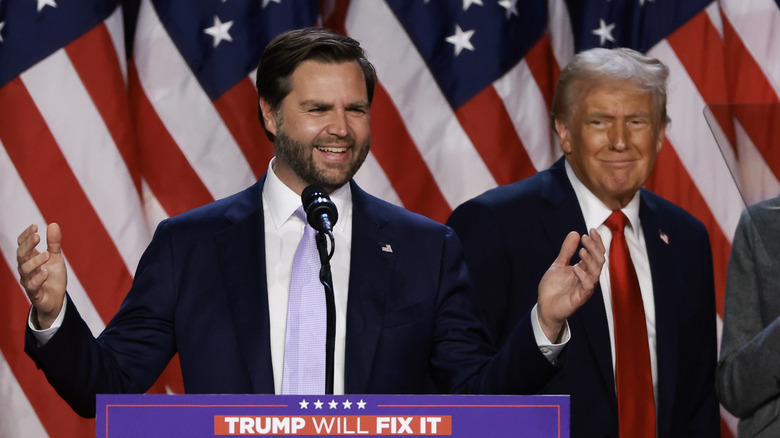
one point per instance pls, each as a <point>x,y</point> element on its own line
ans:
<point>549,349</point>
<point>43,336</point>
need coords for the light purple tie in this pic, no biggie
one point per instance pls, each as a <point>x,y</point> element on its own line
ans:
<point>304,348</point>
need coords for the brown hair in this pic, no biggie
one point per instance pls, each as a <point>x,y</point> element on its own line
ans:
<point>288,50</point>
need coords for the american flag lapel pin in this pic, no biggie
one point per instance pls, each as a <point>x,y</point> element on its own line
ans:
<point>386,247</point>
<point>663,236</point>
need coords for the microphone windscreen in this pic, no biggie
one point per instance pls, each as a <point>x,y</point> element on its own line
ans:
<point>316,203</point>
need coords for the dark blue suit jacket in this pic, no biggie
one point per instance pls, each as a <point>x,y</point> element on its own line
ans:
<point>513,233</point>
<point>200,290</point>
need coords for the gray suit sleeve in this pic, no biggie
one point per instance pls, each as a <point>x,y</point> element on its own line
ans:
<point>748,375</point>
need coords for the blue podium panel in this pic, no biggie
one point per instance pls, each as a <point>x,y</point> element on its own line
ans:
<point>152,416</point>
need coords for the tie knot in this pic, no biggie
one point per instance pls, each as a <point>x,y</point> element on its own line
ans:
<point>301,214</point>
<point>308,231</point>
<point>616,222</point>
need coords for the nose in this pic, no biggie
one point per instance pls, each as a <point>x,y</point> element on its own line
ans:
<point>619,137</point>
<point>338,124</point>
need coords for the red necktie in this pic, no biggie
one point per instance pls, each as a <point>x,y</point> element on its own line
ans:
<point>634,379</point>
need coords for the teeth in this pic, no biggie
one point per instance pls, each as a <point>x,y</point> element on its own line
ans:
<point>332,149</point>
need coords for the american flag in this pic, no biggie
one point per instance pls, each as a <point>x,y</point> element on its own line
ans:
<point>115,115</point>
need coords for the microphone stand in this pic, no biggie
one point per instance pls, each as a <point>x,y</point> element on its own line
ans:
<point>330,305</point>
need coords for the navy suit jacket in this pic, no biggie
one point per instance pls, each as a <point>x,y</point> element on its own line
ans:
<point>513,233</point>
<point>200,290</point>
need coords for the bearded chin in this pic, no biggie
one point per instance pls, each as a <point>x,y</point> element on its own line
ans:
<point>298,156</point>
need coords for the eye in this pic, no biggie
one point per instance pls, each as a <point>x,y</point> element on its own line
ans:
<point>358,110</point>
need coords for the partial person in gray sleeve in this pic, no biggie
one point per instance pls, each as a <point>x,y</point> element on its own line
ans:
<point>748,376</point>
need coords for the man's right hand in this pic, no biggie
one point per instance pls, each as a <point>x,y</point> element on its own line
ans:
<point>564,287</point>
<point>42,274</point>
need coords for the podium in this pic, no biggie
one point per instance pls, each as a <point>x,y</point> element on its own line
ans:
<point>154,415</point>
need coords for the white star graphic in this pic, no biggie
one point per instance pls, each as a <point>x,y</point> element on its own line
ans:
<point>461,40</point>
<point>44,3</point>
<point>510,6</point>
<point>318,405</point>
<point>220,31</point>
<point>347,404</point>
<point>304,404</point>
<point>2,24</point>
<point>467,3</point>
<point>642,2</point>
<point>268,2</point>
<point>604,32</point>
<point>361,404</point>
<point>333,404</point>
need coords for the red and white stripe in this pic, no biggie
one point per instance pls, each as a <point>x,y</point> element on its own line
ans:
<point>66,148</point>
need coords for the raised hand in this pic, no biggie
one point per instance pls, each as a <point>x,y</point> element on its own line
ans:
<point>564,288</point>
<point>42,274</point>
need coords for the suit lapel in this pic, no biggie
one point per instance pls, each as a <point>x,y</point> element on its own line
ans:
<point>369,277</point>
<point>245,282</point>
<point>666,281</point>
<point>590,321</point>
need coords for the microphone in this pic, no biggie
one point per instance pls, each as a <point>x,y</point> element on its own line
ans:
<point>320,210</point>
<point>322,215</point>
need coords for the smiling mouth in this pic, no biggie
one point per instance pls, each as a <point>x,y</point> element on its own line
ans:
<point>333,149</point>
<point>619,162</point>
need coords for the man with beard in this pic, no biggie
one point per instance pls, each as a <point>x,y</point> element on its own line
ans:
<point>214,283</point>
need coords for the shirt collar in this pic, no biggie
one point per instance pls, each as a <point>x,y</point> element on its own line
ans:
<point>281,201</point>
<point>596,212</point>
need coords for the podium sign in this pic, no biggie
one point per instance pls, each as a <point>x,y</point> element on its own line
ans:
<point>152,416</point>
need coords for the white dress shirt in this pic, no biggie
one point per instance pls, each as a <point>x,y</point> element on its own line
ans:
<point>595,213</point>
<point>283,232</point>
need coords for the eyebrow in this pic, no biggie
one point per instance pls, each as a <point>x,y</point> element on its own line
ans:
<point>360,104</point>
<point>608,115</point>
<point>314,103</point>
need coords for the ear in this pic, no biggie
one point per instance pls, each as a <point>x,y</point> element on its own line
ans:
<point>269,116</point>
<point>564,136</point>
<point>661,138</point>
